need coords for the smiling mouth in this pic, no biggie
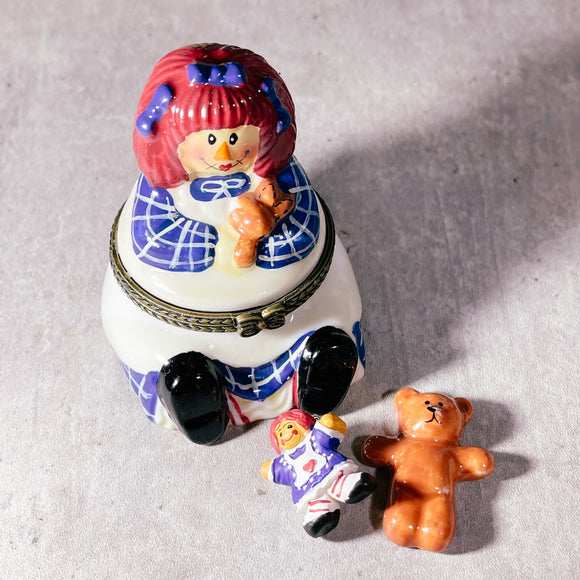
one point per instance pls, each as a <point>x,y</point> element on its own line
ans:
<point>434,418</point>
<point>225,166</point>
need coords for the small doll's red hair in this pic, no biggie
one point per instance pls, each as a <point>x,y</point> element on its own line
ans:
<point>201,106</point>
<point>300,417</point>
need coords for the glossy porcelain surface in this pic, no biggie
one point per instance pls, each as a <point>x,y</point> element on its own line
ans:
<point>426,461</point>
<point>321,478</point>
<point>223,218</point>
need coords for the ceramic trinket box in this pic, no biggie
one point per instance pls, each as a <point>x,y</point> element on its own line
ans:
<point>426,461</point>
<point>321,478</point>
<point>228,297</point>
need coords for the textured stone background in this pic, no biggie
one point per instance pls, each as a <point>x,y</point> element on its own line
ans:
<point>445,138</point>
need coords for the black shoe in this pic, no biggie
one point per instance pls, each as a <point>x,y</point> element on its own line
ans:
<point>326,370</point>
<point>322,525</point>
<point>193,390</point>
<point>365,486</point>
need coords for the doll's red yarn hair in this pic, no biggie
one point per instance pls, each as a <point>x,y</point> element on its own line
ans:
<point>199,106</point>
<point>300,417</point>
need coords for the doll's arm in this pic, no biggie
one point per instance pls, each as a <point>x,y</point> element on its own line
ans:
<point>332,421</point>
<point>329,431</point>
<point>277,471</point>
<point>266,470</point>
<point>256,217</point>
<point>375,449</point>
<point>473,462</point>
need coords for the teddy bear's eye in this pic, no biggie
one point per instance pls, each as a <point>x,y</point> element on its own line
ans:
<point>440,404</point>
<point>427,403</point>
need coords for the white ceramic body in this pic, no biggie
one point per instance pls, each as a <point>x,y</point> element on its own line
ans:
<point>145,343</point>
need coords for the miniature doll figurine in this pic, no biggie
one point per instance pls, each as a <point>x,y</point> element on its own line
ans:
<point>319,475</point>
<point>228,298</point>
<point>426,461</point>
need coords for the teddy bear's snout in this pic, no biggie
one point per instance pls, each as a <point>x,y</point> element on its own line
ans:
<point>433,408</point>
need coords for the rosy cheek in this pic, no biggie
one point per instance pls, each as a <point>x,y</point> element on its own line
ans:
<point>247,151</point>
<point>197,153</point>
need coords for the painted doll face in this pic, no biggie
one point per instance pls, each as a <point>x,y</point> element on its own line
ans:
<point>220,151</point>
<point>289,434</point>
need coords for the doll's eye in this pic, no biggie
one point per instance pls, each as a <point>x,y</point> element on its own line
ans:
<point>290,426</point>
<point>211,139</point>
<point>233,138</point>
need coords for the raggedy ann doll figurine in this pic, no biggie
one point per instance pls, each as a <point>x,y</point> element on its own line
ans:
<point>228,298</point>
<point>321,478</point>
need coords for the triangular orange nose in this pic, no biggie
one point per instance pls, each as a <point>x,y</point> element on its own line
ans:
<point>223,153</point>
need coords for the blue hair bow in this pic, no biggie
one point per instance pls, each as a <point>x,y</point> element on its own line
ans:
<point>231,74</point>
<point>154,111</point>
<point>284,117</point>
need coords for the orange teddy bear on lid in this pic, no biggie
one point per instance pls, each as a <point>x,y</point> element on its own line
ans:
<point>426,461</point>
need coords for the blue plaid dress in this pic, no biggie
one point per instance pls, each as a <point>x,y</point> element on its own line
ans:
<point>166,239</point>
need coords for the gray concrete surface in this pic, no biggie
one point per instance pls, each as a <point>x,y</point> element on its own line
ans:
<point>444,137</point>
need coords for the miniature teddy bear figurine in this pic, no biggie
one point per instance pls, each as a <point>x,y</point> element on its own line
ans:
<point>229,298</point>
<point>319,475</point>
<point>426,461</point>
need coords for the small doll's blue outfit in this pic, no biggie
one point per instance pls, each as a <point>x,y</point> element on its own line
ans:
<point>321,479</point>
<point>312,467</point>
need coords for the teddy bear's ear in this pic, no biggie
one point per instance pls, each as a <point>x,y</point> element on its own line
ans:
<point>465,407</point>
<point>403,395</point>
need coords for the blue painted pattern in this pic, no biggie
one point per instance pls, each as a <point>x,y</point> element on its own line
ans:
<point>220,186</point>
<point>295,236</point>
<point>250,383</point>
<point>164,238</point>
<point>360,343</point>
<point>144,387</point>
<point>259,383</point>
<point>231,74</point>
<point>155,109</point>
<point>255,384</point>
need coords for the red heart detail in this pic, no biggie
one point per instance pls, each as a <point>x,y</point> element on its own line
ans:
<point>309,466</point>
